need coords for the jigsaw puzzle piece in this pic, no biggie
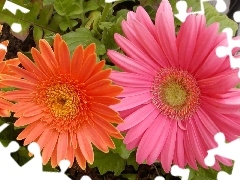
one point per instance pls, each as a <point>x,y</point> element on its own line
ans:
<point>3,126</point>
<point>157,178</point>
<point>221,6</point>
<point>12,7</point>
<point>177,171</point>
<point>227,150</point>
<point>230,50</point>
<point>182,6</point>
<point>35,164</point>
<point>85,177</point>
<point>5,156</point>
<point>236,16</point>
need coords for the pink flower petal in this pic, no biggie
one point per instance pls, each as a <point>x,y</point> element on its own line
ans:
<point>128,64</point>
<point>144,18</point>
<point>197,145</point>
<point>136,53</point>
<point>179,156</point>
<point>185,44</point>
<point>136,117</point>
<point>132,101</point>
<point>150,44</point>
<point>169,147</point>
<point>139,129</point>
<point>166,32</point>
<point>131,79</point>
<point>148,143</point>
<point>132,91</point>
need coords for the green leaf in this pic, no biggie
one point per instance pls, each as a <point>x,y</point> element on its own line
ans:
<point>131,160</point>
<point>40,17</point>
<point>212,15</point>
<point>67,7</point>
<point>206,174</point>
<point>66,23</point>
<point>108,34</point>
<point>121,148</point>
<point>9,134</point>
<point>108,162</point>
<point>49,168</point>
<point>82,36</point>
<point>22,156</point>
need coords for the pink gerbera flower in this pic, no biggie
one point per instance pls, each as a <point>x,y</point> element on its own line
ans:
<point>177,93</point>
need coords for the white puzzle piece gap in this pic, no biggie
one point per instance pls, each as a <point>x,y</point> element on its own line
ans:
<point>223,51</point>
<point>236,16</point>
<point>2,46</point>
<point>159,178</point>
<point>183,13</point>
<point>177,171</point>
<point>12,7</point>
<point>33,168</point>
<point>228,150</point>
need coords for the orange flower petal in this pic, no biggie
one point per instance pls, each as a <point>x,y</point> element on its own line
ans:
<point>17,95</point>
<point>62,146</point>
<point>102,109</point>
<point>104,83</point>
<point>74,140</point>
<point>64,58</point>
<point>19,84</point>
<point>104,136</point>
<point>5,113</point>
<point>106,100</point>
<point>25,74</point>
<point>46,51</point>
<point>57,41</point>
<point>45,66</point>
<point>54,162</point>
<point>99,66</point>
<point>77,61</point>
<point>80,158</point>
<point>98,76</point>
<point>43,139</point>
<point>27,130</point>
<point>94,137</point>
<point>49,147</point>
<point>4,104</point>
<point>22,121</point>
<point>35,133</point>
<point>85,146</point>
<point>90,49</point>
<point>87,68</point>
<point>104,124</point>
<point>30,66</point>
<point>112,90</point>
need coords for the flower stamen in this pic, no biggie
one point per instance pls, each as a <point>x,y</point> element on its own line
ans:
<point>175,93</point>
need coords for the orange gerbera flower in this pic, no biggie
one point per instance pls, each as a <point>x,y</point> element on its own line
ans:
<point>5,105</point>
<point>64,103</point>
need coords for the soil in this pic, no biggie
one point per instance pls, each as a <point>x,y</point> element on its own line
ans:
<point>16,45</point>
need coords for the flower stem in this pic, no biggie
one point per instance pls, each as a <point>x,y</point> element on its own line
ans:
<point>106,9</point>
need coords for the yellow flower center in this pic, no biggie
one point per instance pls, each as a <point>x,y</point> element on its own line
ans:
<point>175,93</point>
<point>62,101</point>
<point>65,102</point>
